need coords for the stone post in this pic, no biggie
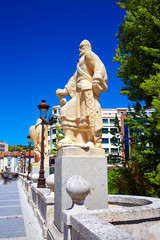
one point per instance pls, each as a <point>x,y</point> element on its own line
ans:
<point>87,162</point>
<point>77,188</point>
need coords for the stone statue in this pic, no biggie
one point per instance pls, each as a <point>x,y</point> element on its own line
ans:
<point>35,134</point>
<point>81,117</point>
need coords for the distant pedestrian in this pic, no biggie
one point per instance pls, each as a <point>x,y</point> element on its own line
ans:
<point>15,176</point>
<point>5,177</point>
<point>10,177</point>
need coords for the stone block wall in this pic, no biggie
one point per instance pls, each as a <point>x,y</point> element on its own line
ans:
<point>129,217</point>
<point>42,203</point>
<point>94,227</point>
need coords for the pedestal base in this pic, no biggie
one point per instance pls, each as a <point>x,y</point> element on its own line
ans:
<point>36,169</point>
<point>54,234</point>
<point>89,163</point>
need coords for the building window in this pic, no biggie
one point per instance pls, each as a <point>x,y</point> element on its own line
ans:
<point>53,140</point>
<point>105,120</point>
<point>52,161</point>
<point>104,130</point>
<point>106,150</point>
<point>48,133</point>
<point>113,130</point>
<point>54,131</point>
<point>114,150</point>
<point>112,120</point>
<point>105,140</point>
<point>114,140</point>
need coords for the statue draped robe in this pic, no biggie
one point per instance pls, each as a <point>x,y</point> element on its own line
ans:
<point>83,111</point>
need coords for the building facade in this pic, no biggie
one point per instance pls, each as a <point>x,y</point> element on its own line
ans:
<point>108,117</point>
<point>109,131</point>
<point>3,146</point>
<point>15,161</point>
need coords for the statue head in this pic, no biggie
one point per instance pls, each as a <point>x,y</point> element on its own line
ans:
<point>39,120</point>
<point>84,47</point>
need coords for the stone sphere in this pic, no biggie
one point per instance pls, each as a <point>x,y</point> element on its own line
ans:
<point>50,181</point>
<point>35,177</point>
<point>78,188</point>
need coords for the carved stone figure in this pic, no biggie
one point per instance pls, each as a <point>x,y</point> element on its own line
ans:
<point>81,117</point>
<point>35,134</point>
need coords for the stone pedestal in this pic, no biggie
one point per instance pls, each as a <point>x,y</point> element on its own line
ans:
<point>86,162</point>
<point>36,168</point>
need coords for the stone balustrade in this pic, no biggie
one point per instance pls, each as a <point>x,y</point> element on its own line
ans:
<point>34,198</point>
<point>41,200</point>
<point>45,211</point>
<point>81,224</point>
<point>90,226</point>
<point>128,217</point>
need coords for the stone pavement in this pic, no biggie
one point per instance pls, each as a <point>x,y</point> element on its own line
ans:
<point>17,221</point>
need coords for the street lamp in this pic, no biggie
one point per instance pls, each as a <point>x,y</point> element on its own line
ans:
<point>29,165</point>
<point>24,158</point>
<point>43,107</point>
<point>21,164</point>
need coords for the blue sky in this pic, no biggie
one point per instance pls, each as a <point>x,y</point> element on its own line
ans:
<point>39,42</point>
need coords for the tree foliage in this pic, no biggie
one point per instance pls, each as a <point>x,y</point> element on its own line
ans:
<point>138,54</point>
<point>131,177</point>
<point>117,141</point>
<point>19,148</point>
<point>138,51</point>
<point>59,136</point>
<point>129,180</point>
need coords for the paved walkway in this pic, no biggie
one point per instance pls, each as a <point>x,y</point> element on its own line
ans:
<point>17,221</point>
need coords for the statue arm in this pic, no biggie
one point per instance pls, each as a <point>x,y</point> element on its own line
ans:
<point>71,85</point>
<point>69,89</point>
<point>99,73</point>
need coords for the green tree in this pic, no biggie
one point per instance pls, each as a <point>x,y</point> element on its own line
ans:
<point>142,136</point>
<point>131,177</point>
<point>11,148</point>
<point>138,54</point>
<point>18,148</point>
<point>116,141</point>
<point>154,178</point>
<point>138,50</point>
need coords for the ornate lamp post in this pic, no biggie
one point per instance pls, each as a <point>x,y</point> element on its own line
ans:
<point>24,159</point>
<point>29,165</point>
<point>24,169</point>
<point>21,165</point>
<point>43,107</point>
